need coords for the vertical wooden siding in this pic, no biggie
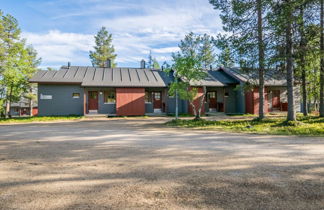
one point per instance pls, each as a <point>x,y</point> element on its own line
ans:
<point>130,101</point>
<point>252,101</point>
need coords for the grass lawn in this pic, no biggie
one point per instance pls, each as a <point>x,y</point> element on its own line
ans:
<point>38,119</point>
<point>305,126</point>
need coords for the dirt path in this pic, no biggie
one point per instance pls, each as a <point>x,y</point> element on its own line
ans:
<point>139,164</point>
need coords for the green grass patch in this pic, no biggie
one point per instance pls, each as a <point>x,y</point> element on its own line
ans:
<point>305,126</point>
<point>38,119</point>
<point>180,115</point>
<point>243,115</point>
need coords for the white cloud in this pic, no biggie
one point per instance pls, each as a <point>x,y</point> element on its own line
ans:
<point>55,46</point>
<point>166,50</point>
<point>137,28</point>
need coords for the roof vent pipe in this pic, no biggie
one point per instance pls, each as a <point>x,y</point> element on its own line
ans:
<point>69,64</point>
<point>142,64</point>
<point>108,63</point>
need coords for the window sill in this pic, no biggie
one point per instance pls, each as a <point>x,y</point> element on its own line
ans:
<point>148,102</point>
<point>110,103</point>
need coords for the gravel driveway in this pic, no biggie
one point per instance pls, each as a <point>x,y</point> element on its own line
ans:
<point>140,164</point>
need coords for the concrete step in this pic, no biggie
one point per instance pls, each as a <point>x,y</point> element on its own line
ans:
<point>95,115</point>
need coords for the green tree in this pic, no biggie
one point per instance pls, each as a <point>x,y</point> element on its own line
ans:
<point>206,50</point>
<point>244,21</point>
<point>188,72</point>
<point>17,62</point>
<point>322,58</point>
<point>156,64</point>
<point>289,18</point>
<point>308,34</point>
<point>196,53</point>
<point>189,66</point>
<point>11,48</point>
<point>103,50</point>
<point>152,62</point>
<point>199,46</point>
<point>288,12</point>
<point>33,62</point>
<point>225,59</point>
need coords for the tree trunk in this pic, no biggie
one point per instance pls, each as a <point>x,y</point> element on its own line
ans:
<point>261,60</point>
<point>291,116</point>
<point>194,109</point>
<point>7,108</point>
<point>322,62</point>
<point>30,107</point>
<point>8,103</point>
<point>302,52</point>
<point>202,100</point>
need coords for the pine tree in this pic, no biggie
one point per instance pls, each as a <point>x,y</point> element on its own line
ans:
<point>10,50</point>
<point>245,21</point>
<point>206,50</point>
<point>199,46</point>
<point>156,64</point>
<point>288,12</point>
<point>150,60</point>
<point>103,50</point>
<point>259,8</point>
<point>322,58</point>
<point>33,62</point>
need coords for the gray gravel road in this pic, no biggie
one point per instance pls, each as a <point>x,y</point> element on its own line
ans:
<point>140,164</point>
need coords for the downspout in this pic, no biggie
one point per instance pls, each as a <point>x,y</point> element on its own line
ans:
<point>176,98</point>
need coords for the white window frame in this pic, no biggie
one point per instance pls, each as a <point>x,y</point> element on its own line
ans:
<point>76,96</point>
<point>46,97</point>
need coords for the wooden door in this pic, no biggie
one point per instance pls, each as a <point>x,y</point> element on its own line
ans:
<point>276,99</point>
<point>157,100</point>
<point>93,100</point>
<point>211,96</point>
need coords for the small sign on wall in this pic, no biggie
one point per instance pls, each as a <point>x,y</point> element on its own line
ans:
<point>46,97</point>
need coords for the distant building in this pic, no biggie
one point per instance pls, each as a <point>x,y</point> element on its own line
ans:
<point>22,108</point>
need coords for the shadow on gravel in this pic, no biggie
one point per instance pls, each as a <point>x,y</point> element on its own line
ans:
<point>99,165</point>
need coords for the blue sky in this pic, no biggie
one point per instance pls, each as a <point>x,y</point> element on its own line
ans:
<point>63,30</point>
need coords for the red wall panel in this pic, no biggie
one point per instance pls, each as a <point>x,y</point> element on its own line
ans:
<point>249,102</point>
<point>196,102</point>
<point>130,101</point>
<point>252,101</point>
<point>35,111</point>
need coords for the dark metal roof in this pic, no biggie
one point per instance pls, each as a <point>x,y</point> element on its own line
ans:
<point>139,77</point>
<point>209,81</point>
<point>104,77</point>
<point>271,77</point>
<point>220,75</point>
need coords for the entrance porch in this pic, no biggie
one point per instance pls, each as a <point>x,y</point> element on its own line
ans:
<point>155,101</point>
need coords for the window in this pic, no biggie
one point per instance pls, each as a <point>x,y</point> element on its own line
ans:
<point>211,94</point>
<point>157,95</point>
<point>46,97</point>
<point>93,94</point>
<point>110,96</point>
<point>75,95</point>
<point>148,97</point>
